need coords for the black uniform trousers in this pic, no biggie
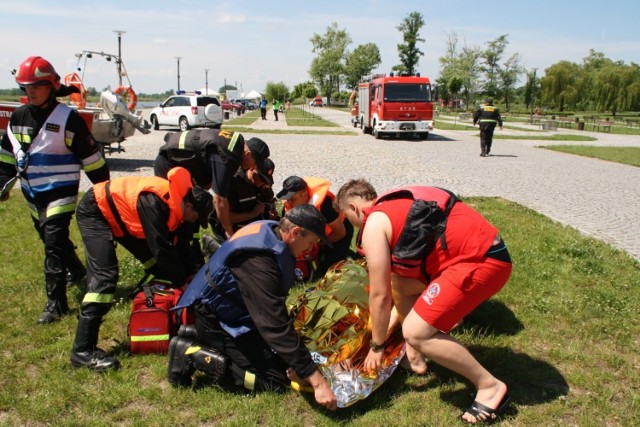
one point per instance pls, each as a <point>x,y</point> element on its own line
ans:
<point>102,261</point>
<point>486,136</point>
<point>59,250</point>
<point>252,363</point>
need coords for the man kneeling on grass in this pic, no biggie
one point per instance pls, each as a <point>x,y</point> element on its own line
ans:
<point>244,330</point>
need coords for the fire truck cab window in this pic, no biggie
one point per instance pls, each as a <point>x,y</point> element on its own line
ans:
<point>407,92</point>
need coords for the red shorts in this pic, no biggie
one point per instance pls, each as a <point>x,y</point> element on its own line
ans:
<point>460,289</point>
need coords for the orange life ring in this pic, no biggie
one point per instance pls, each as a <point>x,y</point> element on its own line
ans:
<point>129,96</point>
<point>79,99</point>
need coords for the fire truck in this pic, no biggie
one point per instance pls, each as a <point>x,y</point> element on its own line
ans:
<point>394,105</point>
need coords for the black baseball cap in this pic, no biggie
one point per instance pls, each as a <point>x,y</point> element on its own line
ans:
<point>260,152</point>
<point>203,202</point>
<point>309,218</point>
<point>268,177</point>
<point>291,186</point>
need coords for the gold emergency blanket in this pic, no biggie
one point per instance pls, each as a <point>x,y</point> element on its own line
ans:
<point>333,321</point>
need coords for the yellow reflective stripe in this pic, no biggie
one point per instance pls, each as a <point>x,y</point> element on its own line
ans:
<point>23,138</point>
<point>7,159</point>
<point>136,338</point>
<point>183,138</point>
<point>61,209</point>
<point>192,349</point>
<point>149,263</point>
<point>95,165</point>
<point>68,141</point>
<point>249,380</point>
<point>99,298</point>
<point>234,140</point>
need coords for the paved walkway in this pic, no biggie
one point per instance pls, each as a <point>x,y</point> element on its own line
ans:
<point>601,199</point>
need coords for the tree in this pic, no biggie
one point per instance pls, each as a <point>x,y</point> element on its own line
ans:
<point>509,75</point>
<point>362,61</point>
<point>278,91</point>
<point>304,90</point>
<point>462,65</point>
<point>491,67</point>
<point>408,51</point>
<point>560,85</point>
<point>225,88</point>
<point>328,66</point>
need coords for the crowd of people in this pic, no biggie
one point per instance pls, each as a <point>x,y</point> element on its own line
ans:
<point>432,259</point>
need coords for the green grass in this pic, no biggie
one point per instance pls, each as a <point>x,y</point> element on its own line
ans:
<point>625,155</point>
<point>563,334</point>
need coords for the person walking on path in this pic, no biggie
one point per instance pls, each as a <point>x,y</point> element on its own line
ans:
<point>263,108</point>
<point>488,116</point>
<point>434,259</point>
<point>276,108</point>
<point>46,145</point>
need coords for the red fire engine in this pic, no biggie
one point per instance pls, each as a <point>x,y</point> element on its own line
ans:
<point>394,105</point>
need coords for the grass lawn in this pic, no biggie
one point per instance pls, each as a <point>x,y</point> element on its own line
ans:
<point>563,334</point>
<point>625,155</point>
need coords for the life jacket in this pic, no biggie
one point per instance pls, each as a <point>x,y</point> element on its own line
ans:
<point>118,199</point>
<point>217,289</point>
<point>318,190</point>
<point>424,226</point>
<point>46,162</point>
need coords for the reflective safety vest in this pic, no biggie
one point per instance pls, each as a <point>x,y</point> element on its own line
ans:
<point>318,189</point>
<point>217,289</point>
<point>46,163</point>
<point>118,199</point>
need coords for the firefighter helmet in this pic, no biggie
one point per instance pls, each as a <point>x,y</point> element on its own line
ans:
<point>35,70</point>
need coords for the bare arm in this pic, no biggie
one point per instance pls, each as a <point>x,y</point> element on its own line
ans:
<point>375,243</point>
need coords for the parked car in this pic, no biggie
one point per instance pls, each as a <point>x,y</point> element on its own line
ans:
<point>233,106</point>
<point>248,104</point>
<point>187,110</point>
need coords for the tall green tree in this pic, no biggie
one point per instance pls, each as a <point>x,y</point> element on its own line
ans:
<point>462,64</point>
<point>362,61</point>
<point>328,66</point>
<point>304,90</point>
<point>279,91</point>
<point>408,51</point>
<point>491,67</point>
<point>508,76</point>
<point>560,85</point>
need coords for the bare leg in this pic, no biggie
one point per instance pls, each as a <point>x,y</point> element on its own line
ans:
<point>450,353</point>
<point>405,292</point>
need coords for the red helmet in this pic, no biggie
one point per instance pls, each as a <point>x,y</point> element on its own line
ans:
<point>36,70</point>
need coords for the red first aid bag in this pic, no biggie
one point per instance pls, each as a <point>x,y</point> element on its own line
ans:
<point>152,323</point>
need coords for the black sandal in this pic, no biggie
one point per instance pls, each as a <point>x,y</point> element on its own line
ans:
<point>478,410</point>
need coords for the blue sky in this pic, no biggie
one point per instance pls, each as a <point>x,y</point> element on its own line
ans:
<point>250,43</point>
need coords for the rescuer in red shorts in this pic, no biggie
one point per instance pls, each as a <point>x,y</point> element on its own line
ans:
<point>434,259</point>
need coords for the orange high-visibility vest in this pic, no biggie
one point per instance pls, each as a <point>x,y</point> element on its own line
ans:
<point>123,194</point>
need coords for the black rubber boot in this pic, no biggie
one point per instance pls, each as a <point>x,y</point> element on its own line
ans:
<point>76,272</point>
<point>57,304</point>
<point>209,245</point>
<point>188,331</point>
<point>180,366</point>
<point>185,356</point>
<point>85,354</point>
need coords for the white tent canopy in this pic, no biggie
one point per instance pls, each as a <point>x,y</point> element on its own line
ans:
<point>209,92</point>
<point>254,94</point>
